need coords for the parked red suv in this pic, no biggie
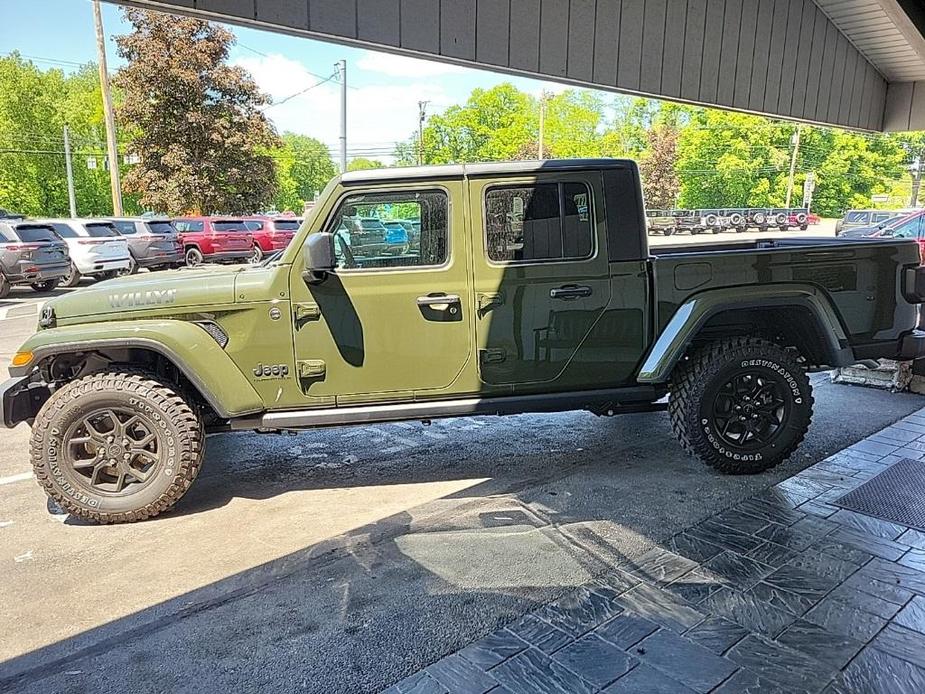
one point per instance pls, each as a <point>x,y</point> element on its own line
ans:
<point>271,233</point>
<point>214,239</point>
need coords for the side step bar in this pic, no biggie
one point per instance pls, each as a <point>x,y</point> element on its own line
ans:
<point>606,402</point>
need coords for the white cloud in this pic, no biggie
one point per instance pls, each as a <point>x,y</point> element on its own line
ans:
<point>402,66</point>
<point>377,116</point>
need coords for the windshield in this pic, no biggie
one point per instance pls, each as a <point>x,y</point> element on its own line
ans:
<point>162,228</point>
<point>35,234</point>
<point>230,225</point>
<point>100,231</point>
<point>287,224</point>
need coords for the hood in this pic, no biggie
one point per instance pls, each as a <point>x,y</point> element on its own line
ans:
<point>149,291</point>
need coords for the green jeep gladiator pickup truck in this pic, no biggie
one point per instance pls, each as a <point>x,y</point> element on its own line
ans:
<point>529,288</point>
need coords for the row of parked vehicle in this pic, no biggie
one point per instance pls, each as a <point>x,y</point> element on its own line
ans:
<point>46,253</point>
<point>717,221</point>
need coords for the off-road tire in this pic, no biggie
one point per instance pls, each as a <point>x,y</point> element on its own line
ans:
<point>5,287</point>
<point>46,286</point>
<point>179,429</point>
<point>697,380</point>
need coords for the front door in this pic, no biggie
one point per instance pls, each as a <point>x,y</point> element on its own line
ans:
<point>542,283</point>
<point>393,320</point>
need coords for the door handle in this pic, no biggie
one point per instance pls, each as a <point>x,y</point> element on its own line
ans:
<point>570,291</point>
<point>433,301</point>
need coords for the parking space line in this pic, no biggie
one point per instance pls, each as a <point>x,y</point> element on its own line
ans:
<point>21,477</point>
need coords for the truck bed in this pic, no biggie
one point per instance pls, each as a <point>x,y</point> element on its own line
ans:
<point>861,278</point>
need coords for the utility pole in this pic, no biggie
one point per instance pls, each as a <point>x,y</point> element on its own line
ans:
<point>422,114</point>
<point>342,73</point>
<point>795,141</point>
<point>115,183</point>
<point>916,181</point>
<point>539,147</point>
<point>71,198</point>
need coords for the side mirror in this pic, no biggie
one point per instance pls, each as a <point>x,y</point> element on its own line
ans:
<point>318,256</point>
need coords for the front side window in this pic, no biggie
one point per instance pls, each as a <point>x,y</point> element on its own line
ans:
<point>366,238</point>
<point>540,222</point>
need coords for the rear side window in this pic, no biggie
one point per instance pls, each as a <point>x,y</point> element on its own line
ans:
<point>100,231</point>
<point>230,225</point>
<point>254,225</point>
<point>161,228</point>
<point>125,228</point>
<point>36,234</point>
<point>187,226</point>
<point>287,224</point>
<point>64,231</point>
<point>536,223</point>
<point>857,217</point>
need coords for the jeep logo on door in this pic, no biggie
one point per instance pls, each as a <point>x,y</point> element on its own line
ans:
<point>153,297</point>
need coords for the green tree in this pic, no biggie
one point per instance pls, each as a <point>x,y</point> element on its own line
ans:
<point>303,169</point>
<point>196,122</point>
<point>363,164</point>
<point>34,106</point>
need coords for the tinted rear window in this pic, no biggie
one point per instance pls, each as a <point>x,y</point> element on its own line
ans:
<point>230,225</point>
<point>287,224</point>
<point>125,227</point>
<point>64,231</point>
<point>100,231</point>
<point>36,234</point>
<point>161,228</point>
<point>370,224</point>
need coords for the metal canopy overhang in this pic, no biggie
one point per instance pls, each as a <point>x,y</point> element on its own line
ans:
<point>852,63</point>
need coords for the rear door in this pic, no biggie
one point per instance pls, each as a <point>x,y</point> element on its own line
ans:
<point>542,282</point>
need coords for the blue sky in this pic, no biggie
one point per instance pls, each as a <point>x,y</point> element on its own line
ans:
<point>381,103</point>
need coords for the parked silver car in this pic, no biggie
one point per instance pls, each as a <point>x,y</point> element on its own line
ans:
<point>153,243</point>
<point>33,254</point>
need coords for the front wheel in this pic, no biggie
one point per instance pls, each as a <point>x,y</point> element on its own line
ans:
<point>116,446</point>
<point>46,286</point>
<point>742,405</point>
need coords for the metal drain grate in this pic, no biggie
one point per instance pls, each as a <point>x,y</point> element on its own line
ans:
<point>897,494</point>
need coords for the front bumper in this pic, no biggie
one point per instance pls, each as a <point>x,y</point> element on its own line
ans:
<point>20,400</point>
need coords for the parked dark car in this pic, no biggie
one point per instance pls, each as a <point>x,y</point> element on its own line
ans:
<point>271,234</point>
<point>910,226</point>
<point>152,243</point>
<point>757,218</point>
<point>31,254</point>
<point>362,236</point>
<point>863,218</point>
<point>872,229</point>
<point>214,239</point>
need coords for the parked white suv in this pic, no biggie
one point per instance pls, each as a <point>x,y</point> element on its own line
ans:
<point>96,248</point>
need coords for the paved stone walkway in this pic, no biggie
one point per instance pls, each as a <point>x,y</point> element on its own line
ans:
<point>782,593</point>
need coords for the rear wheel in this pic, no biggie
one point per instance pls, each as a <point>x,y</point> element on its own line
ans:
<point>117,446</point>
<point>193,256</point>
<point>72,279</point>
<point>46,286</point>
<point>132,266</point>
<point>5,287</point>
<point>742,405</point>
<point>257,255</point>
